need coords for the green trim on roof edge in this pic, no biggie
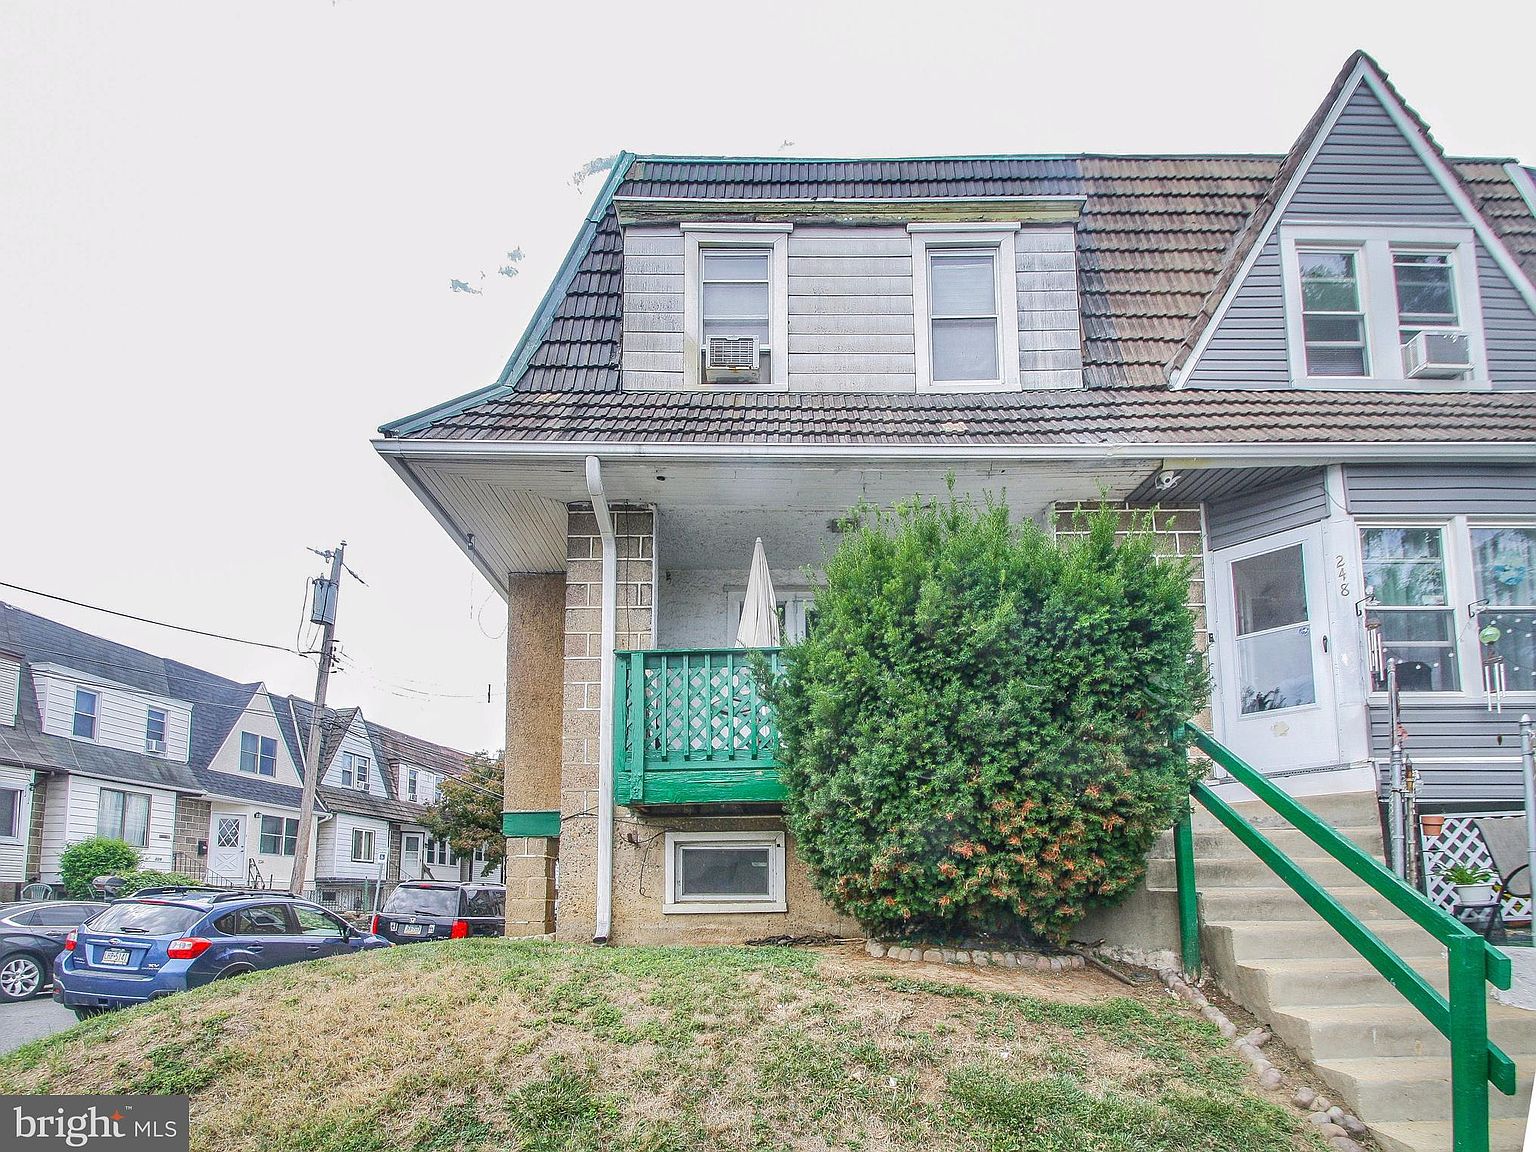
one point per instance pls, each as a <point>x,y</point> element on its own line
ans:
<point>538,327</point>
<point>531,824</point>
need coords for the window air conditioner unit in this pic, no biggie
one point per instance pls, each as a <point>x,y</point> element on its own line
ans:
<point>1438,355</point>
<point>729,359</point>
<point>155,747</point>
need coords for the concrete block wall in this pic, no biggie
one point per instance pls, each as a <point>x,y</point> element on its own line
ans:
<point>192,817</point>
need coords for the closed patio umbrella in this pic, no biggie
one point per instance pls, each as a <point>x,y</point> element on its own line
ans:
<point>759,626</point>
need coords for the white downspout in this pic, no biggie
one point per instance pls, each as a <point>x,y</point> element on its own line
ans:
<point>608,639</point>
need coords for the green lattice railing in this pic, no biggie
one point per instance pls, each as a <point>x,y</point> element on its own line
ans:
<point>690,727</point>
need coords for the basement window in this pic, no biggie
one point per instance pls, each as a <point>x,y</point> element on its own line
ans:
<point>724,872</point>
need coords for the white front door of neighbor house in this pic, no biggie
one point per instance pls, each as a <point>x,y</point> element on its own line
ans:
<point>410,856</point>
<point>1273,698</point>
<point>226,851</point>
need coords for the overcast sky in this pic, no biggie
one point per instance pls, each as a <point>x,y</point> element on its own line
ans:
<point>227,232</point>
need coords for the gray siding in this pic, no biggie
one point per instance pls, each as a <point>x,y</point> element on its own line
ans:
<point>1465,756</point>
<point>1450,490</point>
<point>1050,332</point>
<point>653,306</point>
<point>1367,171</point>
<point>850,310</point>
<point>1275,508</point>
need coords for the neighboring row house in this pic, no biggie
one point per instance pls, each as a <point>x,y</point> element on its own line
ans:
<point>201,774</point>
<point>1320,366</point>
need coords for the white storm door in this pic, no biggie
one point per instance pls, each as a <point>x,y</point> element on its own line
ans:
<point>226,854</point>
<point>410,856</point>
<point>1274,689</point>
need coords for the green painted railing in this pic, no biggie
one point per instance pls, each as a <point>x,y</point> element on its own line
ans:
<point>690,727</point>
<point>1473,962</point>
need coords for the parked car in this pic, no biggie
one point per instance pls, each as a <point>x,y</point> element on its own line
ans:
<point>146,947</point>
<point>440,910</point>
<point>31,934</point>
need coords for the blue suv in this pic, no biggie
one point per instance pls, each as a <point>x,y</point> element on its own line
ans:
<point>168,940</point>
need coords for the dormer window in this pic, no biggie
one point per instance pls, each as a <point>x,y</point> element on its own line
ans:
<point>86,703</point>
<point>735,284</point>
<point>354,771</point>
<point>965,293</point>
<point>1382,307</point>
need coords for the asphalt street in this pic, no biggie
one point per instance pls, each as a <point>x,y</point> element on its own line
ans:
<point>31,1020</point>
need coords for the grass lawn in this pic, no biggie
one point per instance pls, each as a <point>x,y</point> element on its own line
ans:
<point>549,1048</point>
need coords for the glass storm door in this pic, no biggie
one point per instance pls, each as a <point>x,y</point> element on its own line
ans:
<point>226,856</point>
<point>1274,700</point>
<point>410,856</point>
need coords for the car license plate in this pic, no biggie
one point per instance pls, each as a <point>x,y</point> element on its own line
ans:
<point>118,957</point>
<point>413,930</point>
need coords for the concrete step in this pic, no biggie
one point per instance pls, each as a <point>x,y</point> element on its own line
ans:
<point>1220,842</point>
<point>1277,902</point>
<point>1254,941</point>
<point>1248,871</point>
<point>1342,810</point>
<point>1408,1088</point>
<point>1435,1136</point>
<point>1351,1031</point>
<point>1265,986</point>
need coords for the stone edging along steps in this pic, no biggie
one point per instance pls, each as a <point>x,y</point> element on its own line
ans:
<point>977,957</point>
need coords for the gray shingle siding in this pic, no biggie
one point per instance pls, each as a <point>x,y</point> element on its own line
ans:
<point>1466,757</point>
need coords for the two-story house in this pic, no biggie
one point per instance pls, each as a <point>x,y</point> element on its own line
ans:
<point>203,775</point>
<point>1319,366</point>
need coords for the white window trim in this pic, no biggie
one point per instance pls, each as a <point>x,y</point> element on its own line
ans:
<point>774,841</point>
<point>797,602</point>
<point>745,235</point>
<point>359,779</point>
<point>1005,268</point>
<point>165,730</point>
<point>22,819</point>
<point>369,842</point>
<point>74,711</point>
<point>1461,591</point>
<point>1373,245</point>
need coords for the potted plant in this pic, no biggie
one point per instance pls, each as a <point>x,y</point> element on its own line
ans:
<point>1433,825</point>
<point>1473,885</point>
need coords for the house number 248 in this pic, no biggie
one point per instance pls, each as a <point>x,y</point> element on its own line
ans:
<point>1341,569</point>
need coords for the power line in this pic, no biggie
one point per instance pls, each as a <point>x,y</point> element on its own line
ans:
<point>147,620</point>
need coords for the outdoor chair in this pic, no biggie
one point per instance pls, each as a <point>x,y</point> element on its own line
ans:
<point>1505,839</point>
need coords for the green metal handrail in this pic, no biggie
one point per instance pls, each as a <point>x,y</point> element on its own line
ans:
<point>1463,1019</point>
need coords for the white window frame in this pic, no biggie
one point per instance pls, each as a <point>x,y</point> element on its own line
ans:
<point>1461,592</point>
<point>350,762</point>
<point>13,835</point>
<point>282,835</point>
<point>365,838</point>
<point>774,841</point>
<point>127,795</point>
<point>256,771</point>
<point>774,238</point>
<point>1373,246</point>
<point>165,730</point>
<point>927,237</point>
<point>798,603</point>
<point>95,714</point>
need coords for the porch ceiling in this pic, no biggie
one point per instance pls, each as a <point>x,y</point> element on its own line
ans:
<point>509,515</point>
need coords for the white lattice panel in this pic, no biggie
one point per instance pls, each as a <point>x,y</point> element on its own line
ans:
<point>1460,842</point>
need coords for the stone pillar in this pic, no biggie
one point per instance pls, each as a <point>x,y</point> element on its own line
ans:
<point>634,529</point>
<point>531,761</point>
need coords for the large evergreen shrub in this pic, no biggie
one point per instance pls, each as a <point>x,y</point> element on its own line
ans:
<point>978,732</point>
<point>81,863</point>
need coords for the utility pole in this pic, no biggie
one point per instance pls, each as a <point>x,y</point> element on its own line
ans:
<point>322,611</point>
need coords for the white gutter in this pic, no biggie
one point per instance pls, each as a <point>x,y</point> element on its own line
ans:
<point>608,638</point>
<point>1236,453</point>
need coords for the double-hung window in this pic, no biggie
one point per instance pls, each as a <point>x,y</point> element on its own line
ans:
<point>1333,314</point>
<point>279,835</point>
<point>735,283</point>
<point>258,754</point>
<point>154,731</point>
<point>1356,296</point>
<point>362,845</point>
<point>1405,572</point>
<point>10,813</point>
<point>354,771</point>
<point>965,294</point>
<point>1504,566</point>
<point>86,706</point>
<point>123,816</point>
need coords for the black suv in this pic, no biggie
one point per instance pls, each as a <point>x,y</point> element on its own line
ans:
<point>439,910</point>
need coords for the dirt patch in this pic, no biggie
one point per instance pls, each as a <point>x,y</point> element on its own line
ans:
<point>1080,986</point>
